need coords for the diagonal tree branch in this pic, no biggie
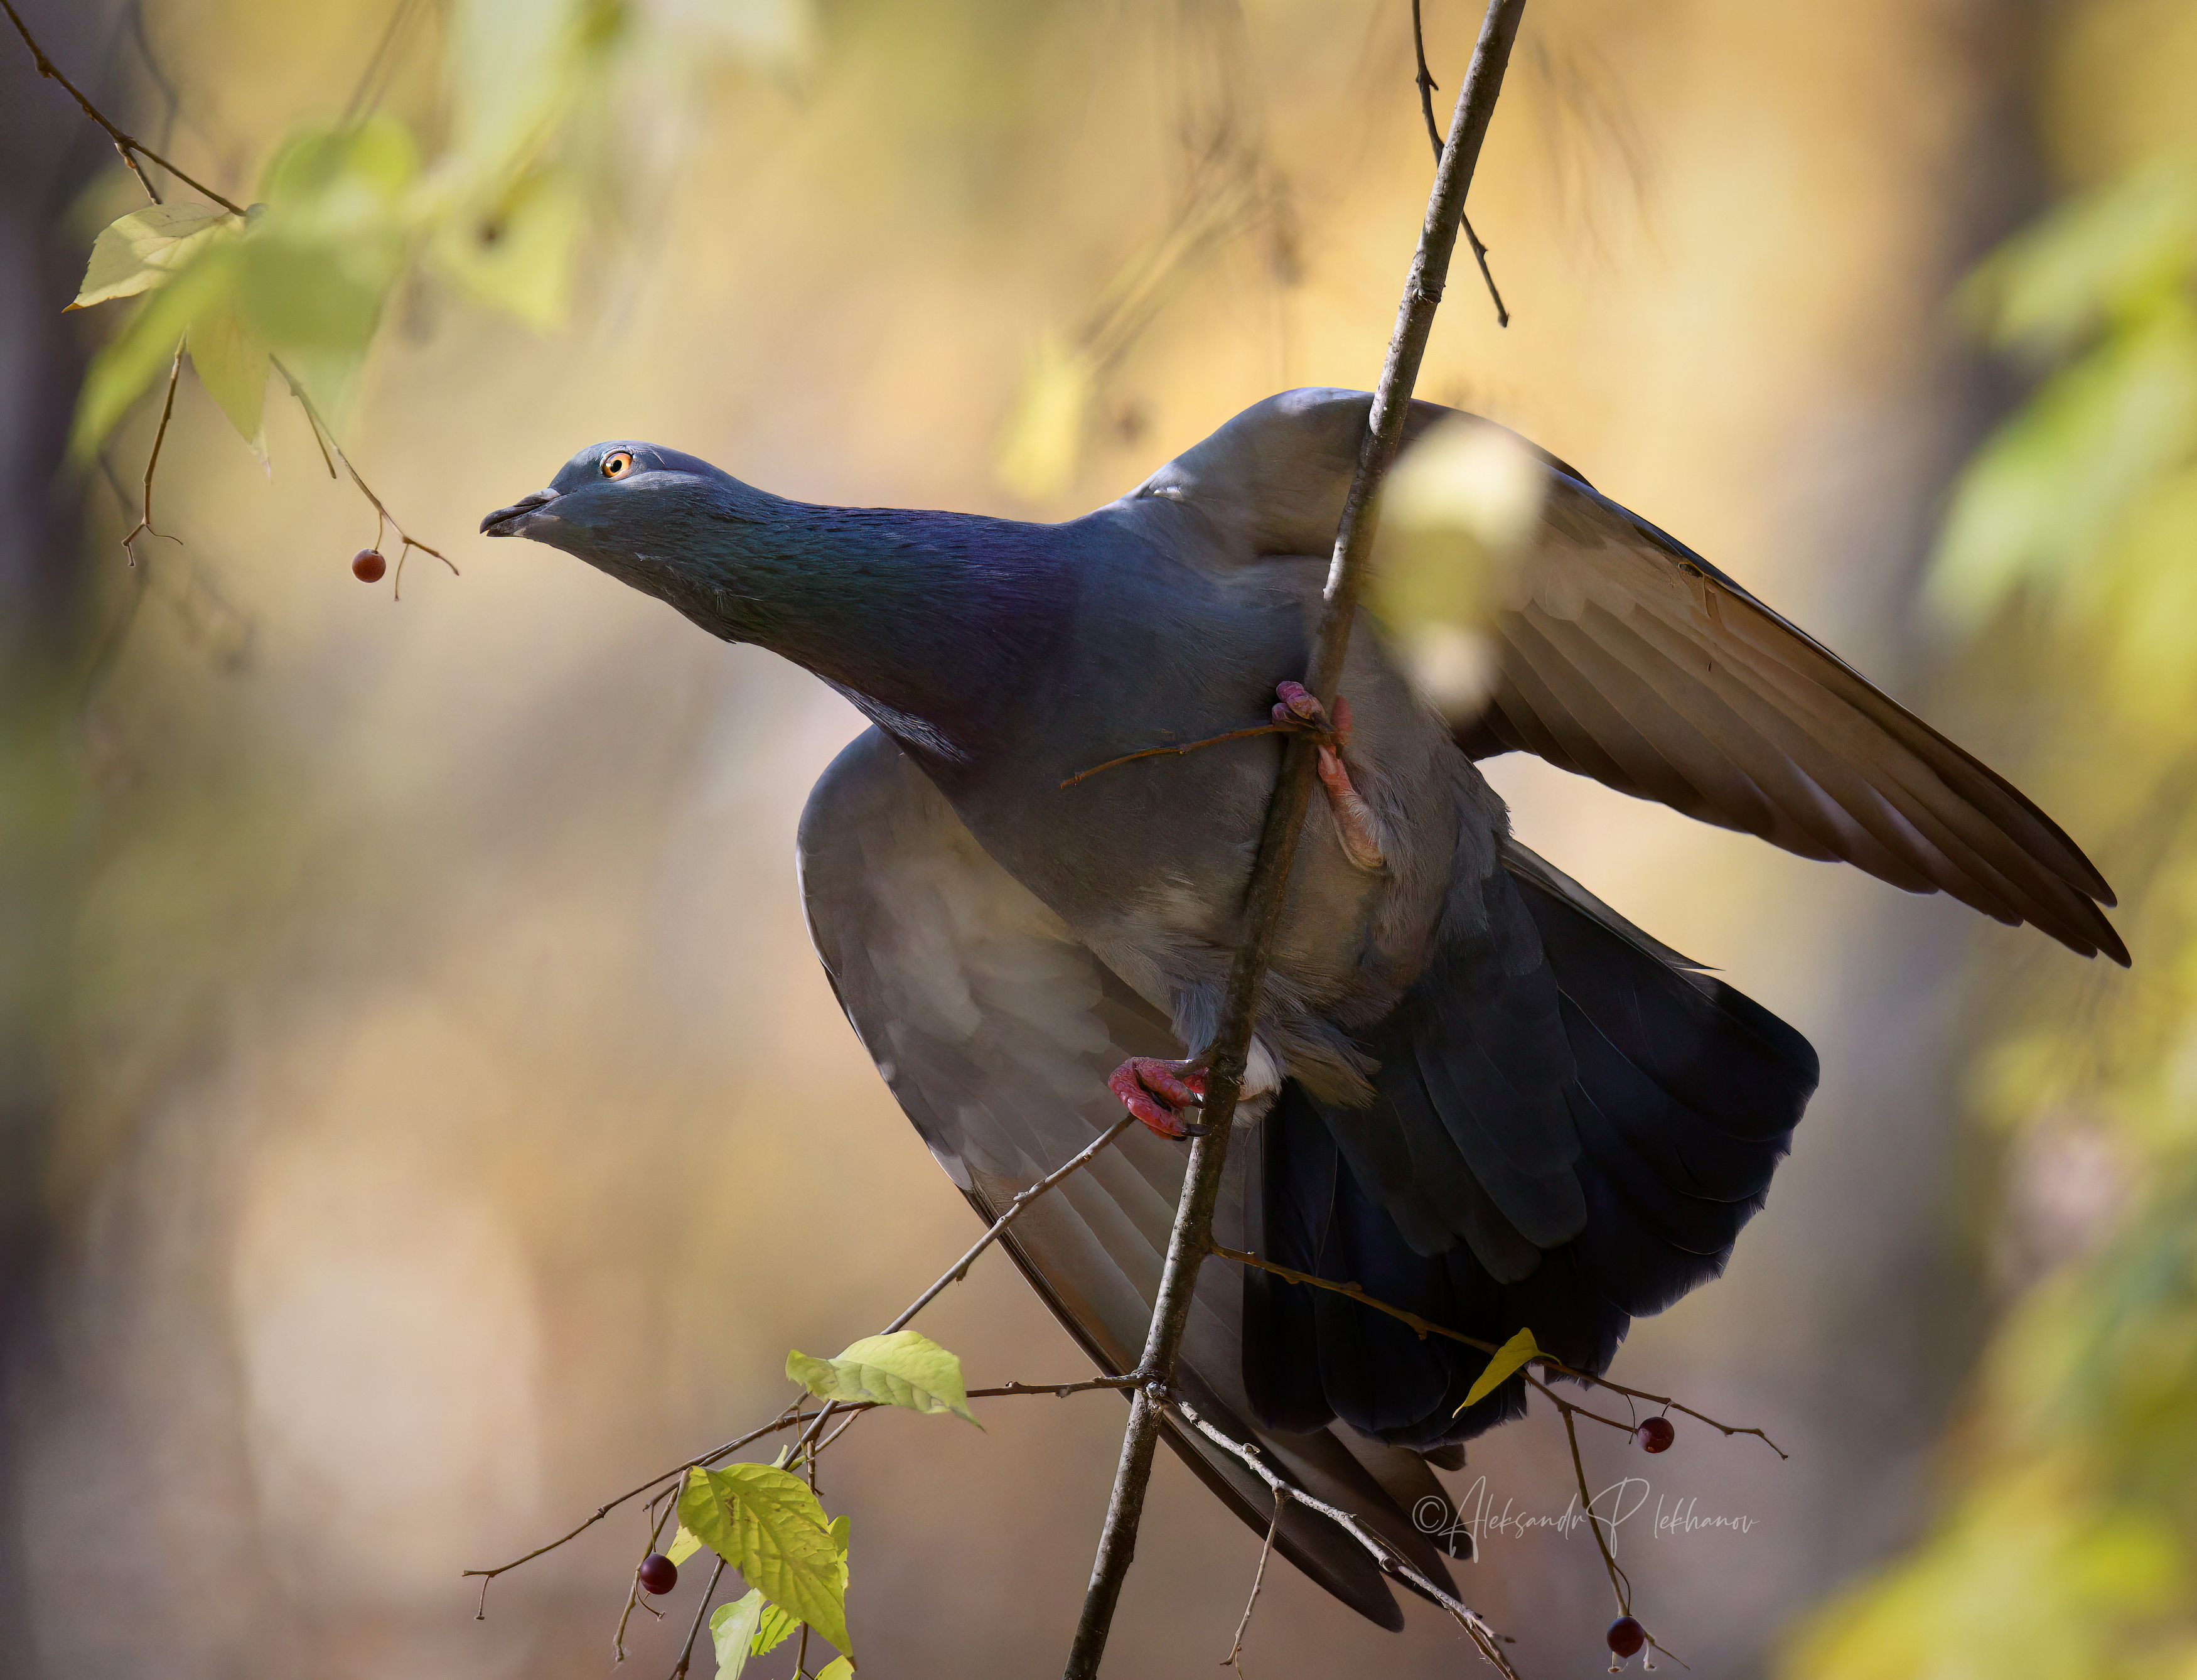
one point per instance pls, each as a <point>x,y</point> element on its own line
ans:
<point>1191,1239</point>
<point>130,148</point>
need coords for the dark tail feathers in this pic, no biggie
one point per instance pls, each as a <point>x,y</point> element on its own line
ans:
<point>1684,1096</point>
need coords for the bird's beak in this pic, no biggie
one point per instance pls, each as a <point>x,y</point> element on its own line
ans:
<point>511,521</point>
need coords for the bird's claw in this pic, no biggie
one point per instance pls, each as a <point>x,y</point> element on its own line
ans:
<point>1157,1092</point>
<point>1299,708</point>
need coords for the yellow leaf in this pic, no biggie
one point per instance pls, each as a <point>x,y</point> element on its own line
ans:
<point>684,1544</point>
<point>904,1369</point>
<point>1504,1364</point>
<point>144,249</point>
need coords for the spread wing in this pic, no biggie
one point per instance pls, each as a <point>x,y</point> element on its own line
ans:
<point>996,1029</point>
<point>1623,656</point>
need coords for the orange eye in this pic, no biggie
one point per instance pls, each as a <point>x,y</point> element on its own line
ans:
<point>617,463</point>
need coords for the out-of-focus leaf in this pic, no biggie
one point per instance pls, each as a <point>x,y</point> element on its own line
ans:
<point>513,251</point>
<point>136,355</point>
<point>1501,1365</point>
<point>733,1630</point>
<point>1042,444</point>
<point>904,1369</point>
<point>319,263</point>
<point>684,1544</point>
<point>767,1525</point>
<point>231,363</point>
<point>2044,495</point>
<point>2097,257</point>
<point>146,248</point>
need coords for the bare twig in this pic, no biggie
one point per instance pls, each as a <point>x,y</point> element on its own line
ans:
<point>632,1597</point>
<point>327,440</point>
<point>783,1420</point>
<point>130,148</point>
<point>1191,1239</point>
<point>1475,1625</point>
<point>1620,1582</point>
<point>144,525</point>
<point>701,1610</point>
<point>1012,1212</point>
<point>1427,86</point>
<point>1427,1327</point>
<point>1177,751</point>
<point>1234,1658</point>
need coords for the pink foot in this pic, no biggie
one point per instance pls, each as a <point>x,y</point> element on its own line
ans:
<point>1157,1092</point>
<point>1354,820</point>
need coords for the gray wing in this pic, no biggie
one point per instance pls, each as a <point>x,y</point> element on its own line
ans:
<point>995,1027</point>
<point>1622,655</point>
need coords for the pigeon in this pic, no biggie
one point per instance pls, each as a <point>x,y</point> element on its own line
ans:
<point>1474,1090</point>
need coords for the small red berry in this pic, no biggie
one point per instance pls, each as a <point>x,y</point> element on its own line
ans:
<point>1655,1435</point>
<point>1625,1637</point>
<point>367,565</point>
<point>658,1574</point>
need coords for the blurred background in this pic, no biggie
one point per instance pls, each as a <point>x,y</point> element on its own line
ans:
<point>422,1115</point>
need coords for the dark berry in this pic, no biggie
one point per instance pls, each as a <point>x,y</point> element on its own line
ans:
<point>1655,1436</point>
<point>1625,1637</point>
<point>367,565</point>
<point>659,1574</point>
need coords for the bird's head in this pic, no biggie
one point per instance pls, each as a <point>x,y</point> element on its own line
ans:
<point>619,504</point>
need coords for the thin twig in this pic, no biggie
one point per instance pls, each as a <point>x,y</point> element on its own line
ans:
<point>1012,1212</point>
<point>144,525</point>
<point>787,1419</point>
<point>1191,1239</point>
<point>960,1269</point>
<point>782,1420</point>
<point>1482,1635</point>
<point>1427,86</point>
<point>130,148</point>
<point>327,439</point>
<point>1620,1582</point>
<point>701,1610</point>
<point>1234,1658</point>
<point>1427,1327</point>
<point>633,1591</point>
<point>1189,746</point>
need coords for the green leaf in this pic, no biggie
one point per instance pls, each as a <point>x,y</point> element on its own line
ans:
<point>838,1669</point>
<point>904,1369</point>
<point>767,1525</point>
<point>776,1628</point>
<point>231,360</point>
<point>684,1544</point>
<point>146,248</point>
<point>1504,1364</point>
<point>732,1630</point>
<point>136,355</point>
